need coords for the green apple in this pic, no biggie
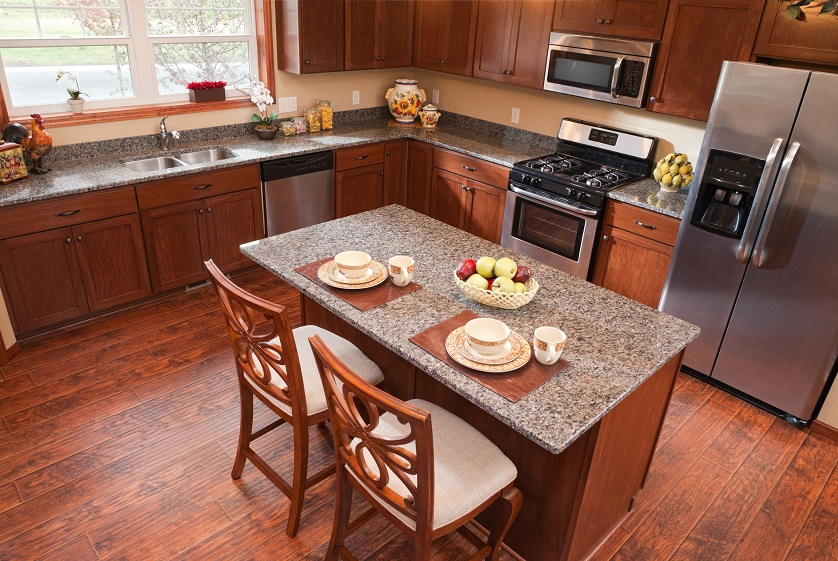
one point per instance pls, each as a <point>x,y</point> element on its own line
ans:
<point>486,266</point>
<point>503,284</point>
<point>505,267</point>
<point>478,281</point>
<point>520,288</point>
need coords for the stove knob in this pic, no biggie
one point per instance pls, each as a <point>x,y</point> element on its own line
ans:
<point>535,181</point>
<point>582,196</point>
<point>571,193</point>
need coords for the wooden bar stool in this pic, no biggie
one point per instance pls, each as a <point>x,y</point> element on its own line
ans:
<point>426,478</point>
<point>276,365</point>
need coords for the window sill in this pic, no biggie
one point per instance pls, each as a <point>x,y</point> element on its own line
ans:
<point>95,116</point>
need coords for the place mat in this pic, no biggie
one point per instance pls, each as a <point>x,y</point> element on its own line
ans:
<point>364,299</point>
<point>511,385</point>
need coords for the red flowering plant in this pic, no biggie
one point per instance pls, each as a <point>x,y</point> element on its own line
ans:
<point>205,85</point>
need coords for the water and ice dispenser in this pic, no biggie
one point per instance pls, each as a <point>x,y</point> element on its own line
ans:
<point>726,193</point>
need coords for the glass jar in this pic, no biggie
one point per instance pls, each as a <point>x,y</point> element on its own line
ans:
<point>287,128</point>
<point>312,116</point>
<point>324,107</point>
<point>299,125</point>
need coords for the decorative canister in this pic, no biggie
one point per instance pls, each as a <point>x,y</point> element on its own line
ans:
<point>299,124</point>
<point>429,115</point>
<point>12,164</point>
<point>405,99</point>
<point>287,128</point>
<point>312,116</point>
<point>324,106</point>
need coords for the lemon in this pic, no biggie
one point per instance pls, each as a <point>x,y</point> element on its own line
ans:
<point>657,174</point>
<point>676,181</point>
<point>684,170</point>
<point>687,179</point>
<point>666,179</point>
<point>673,170</point>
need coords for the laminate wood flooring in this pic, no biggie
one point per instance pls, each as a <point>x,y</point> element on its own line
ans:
<point>117,437</point>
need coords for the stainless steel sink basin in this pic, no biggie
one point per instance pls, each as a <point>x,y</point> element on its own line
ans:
<point>154,164</point>
<point>204,156</point>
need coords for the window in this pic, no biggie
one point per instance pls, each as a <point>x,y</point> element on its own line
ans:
<point>113,47</point>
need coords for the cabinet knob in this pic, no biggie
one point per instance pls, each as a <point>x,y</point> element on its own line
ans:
<point>200,211</point>
<point>80,238</point>
<point>462,187</point>
<point>607,22</point>
<point>68,240</point>
<point>377,58</point>
<point>653,99</point>
<point>442,62</point>
<point>209,209</point>
<point>469,189</point>
<point>605,238</point>
<point>308,62</point>
<point>599,20</point>
<point>388,153</point>
<point>381,173</point>
<point>382,59</point>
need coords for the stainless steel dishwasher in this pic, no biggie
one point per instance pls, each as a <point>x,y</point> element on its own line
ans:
<point>298,191</point>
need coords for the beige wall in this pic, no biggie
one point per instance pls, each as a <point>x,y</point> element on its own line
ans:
<point>829,411</point>
<point>7,335</point>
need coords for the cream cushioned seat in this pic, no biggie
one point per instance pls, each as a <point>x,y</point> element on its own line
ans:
<point>468,467</point>
<point>345,351</point>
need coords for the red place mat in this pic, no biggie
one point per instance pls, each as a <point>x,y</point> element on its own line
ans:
<point>365,298</point>
<point>511,385</point>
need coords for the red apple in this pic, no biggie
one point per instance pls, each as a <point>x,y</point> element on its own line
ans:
<point>522,275</point>
<point>491,282</point>
<point>465,269</point>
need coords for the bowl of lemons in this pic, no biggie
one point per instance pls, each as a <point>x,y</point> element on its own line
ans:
<point>673,172</point>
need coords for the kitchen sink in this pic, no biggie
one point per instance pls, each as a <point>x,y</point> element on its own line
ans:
<point>204,156</point>
<point>154,164</point>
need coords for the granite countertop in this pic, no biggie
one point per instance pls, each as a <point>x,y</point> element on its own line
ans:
<point>614,343</point>
<point>648,194</point>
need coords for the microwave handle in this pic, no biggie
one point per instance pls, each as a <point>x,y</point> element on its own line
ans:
<point>615,77</point>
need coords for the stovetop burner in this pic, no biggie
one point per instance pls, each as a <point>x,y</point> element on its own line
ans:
<point>553,164</point>
<point>600,178</point>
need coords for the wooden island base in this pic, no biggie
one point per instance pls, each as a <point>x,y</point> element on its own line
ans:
<point>572,500</point>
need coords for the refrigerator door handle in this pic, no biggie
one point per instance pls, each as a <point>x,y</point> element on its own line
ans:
<point>746,244</point>
<point>759,252</point>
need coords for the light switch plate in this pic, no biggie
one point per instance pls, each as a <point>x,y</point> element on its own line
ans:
<point>356,97</point>
<point>435,97</point>
<point>287,104</point>
<point>516,115</point>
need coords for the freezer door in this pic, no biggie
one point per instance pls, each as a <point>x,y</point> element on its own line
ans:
<point>782,338</point>
<point>754,106</point>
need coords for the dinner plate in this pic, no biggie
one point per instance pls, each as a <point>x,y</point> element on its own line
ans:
<point>379,275</point>
<point>511,350</point>
<point>335,274</point>
<point>522,358</point>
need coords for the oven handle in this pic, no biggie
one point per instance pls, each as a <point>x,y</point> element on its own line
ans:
<point>559,204</point>
<point>615,77</point>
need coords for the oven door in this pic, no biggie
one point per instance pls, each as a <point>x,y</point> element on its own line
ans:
<point>559,234</point>
<point>600,75</point>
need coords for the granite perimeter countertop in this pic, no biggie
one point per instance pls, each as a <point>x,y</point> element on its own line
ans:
<point>614,344</point>
<point>648,194</point>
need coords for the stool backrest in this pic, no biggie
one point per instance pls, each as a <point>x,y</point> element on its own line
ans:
<point>263,344</point>
<point>398,469</point>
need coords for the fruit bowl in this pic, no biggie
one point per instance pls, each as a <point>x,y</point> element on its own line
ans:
<point>506,300</point>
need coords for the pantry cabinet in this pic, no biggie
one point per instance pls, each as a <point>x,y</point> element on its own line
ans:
<point>444,34</point>
<point>379,33</point>
<point>636,19</point>
<point>814,40</point>
<point>310,35</point>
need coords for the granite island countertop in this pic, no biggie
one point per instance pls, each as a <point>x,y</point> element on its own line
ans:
<point>614,344</point>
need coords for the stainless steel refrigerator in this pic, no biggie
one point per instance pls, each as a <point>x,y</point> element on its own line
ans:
<point>756,261</point>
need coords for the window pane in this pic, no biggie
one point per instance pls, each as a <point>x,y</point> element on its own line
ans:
<point>61,19</point>
<point>103,73</point>
<point>180,63</point>
<point>195,17</point>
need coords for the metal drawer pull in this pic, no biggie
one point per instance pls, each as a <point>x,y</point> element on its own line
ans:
<point>649,226</point>
<point>69,212</point>
<point>364,157</point>
<point>465,167</point>
<point>605,238</point>
<point>68,240</point>
<point>202,187</point>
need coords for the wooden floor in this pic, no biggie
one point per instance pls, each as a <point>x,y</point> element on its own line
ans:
<point>117,437</point>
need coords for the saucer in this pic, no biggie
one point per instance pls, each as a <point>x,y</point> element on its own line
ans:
<point>335,274</point>
<point>514,360</point>
<point>510,352</point>
<point>379,275</point>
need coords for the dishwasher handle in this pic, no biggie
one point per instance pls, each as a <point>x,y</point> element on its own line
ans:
<point>296,165</point>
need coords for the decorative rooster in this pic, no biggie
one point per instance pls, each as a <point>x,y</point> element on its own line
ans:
<point>38,144</point>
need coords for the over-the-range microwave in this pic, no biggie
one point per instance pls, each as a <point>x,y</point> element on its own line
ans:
<point>601,68</point>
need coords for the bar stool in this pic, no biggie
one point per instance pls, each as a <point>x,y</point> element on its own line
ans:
<point>426,478</point>
<point>276,365</point>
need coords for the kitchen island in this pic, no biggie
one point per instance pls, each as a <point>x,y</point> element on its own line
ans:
<point>582,441</point>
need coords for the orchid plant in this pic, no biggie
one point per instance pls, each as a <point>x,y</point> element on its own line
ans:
<point>261,96</point>
<point>75,93</point>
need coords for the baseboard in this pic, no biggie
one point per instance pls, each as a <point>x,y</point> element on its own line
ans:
<point>824,430</point>
<point>8,354</point>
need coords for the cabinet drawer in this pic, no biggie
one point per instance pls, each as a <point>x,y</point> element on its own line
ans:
<point>643,222</point>
<point>359,156</point>
<point>28,218</point>
<point>196,186</point>
<point>473,168</point>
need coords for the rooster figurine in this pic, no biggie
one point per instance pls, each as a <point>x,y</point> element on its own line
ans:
<point>38,144</point>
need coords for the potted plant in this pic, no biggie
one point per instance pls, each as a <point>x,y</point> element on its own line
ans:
<point>200,92</point>
<point>75,101</point>
<point>261,96</point>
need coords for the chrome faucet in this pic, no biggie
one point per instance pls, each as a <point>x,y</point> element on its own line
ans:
<point>165,134</point>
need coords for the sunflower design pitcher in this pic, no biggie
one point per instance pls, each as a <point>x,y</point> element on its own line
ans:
<point>405,99</point>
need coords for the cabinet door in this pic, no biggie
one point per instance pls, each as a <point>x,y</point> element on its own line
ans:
<point>640,19</point>
<point>395,33</point>
<point>485,218</point>
<point>458,56</point>
<point>113,263</point>
<point>684,81</point>
<point>528,49</point>
<point>43,280</point>
<point>813,40</point>
<point>449,199</point>
<point>359,190</point>
<point>321,35</point>
<point>494,35</point>
<point>430,33</point>
<point>420,161</point>
<point>395,173</point>
<point>361,34</point>
<point>631,265</point>
<point>232,220</point>
<point>575,16</point>
<point>175,241</point>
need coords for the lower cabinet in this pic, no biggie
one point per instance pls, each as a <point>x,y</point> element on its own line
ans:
<point>467,204</point>
<point>358,190</point>
<point>420,165</point>
<point>395,173</point>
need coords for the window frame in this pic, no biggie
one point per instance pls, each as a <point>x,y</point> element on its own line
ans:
<point>263,32</point>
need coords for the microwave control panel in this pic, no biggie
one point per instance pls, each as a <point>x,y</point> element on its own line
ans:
<point>632,78</point>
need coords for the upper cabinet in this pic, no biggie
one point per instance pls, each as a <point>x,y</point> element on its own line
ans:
<point>444,35</point>
<point>379,33</point>
<point>813,40</point>
<point>512,41</point>
<point>701,34</point>
<point>310,35</point>
<point>638,19</point>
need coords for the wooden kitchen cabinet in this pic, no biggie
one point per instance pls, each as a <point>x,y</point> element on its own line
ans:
<point>420,165</point>
<point>395,173</point>
<point>379,33</point>
<point>449,199</point>
<point>511,43</point>
<point>636,19</point>
<point>467,204</point>
<point>685,76</point>
<point>634,252</point>
<point>444,35</point>
<point>487,206</point>
<point>358,190</point>
<point>232,220</point>
<point>310,35</point>
<point>814,40</point>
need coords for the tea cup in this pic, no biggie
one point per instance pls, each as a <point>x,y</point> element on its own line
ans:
<point>548,343</point>
<point>353,264</point>
<point>487,336</point>
<point>401,269</point>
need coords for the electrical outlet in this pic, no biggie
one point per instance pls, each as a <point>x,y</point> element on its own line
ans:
<point>356,97</point>
<point>435,97</point>
<point>516,115</point>
<point>287,104</point>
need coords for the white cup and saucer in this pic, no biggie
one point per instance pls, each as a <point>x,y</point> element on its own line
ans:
<point>548,343</point>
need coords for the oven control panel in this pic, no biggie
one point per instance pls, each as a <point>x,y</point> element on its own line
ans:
<point>592,199</point>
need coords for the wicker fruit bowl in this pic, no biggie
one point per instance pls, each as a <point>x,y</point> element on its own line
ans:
<point>506,300</point>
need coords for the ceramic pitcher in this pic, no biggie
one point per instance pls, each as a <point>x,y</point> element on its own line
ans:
<point>404,100</point>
